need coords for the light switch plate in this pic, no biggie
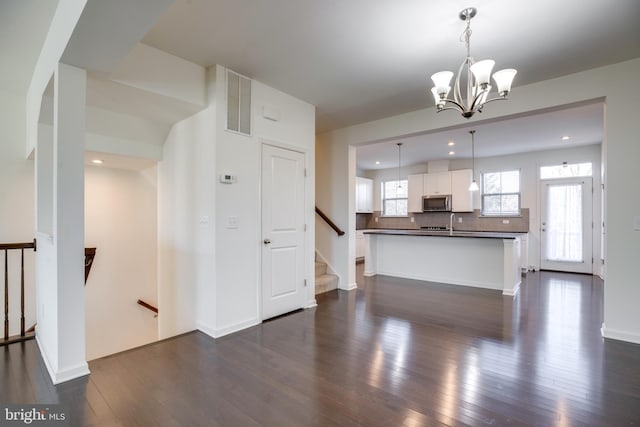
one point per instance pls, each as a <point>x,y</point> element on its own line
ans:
<point>232,222</point>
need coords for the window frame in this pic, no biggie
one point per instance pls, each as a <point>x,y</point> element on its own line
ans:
<point>404,182</point>
<point>518,193</point>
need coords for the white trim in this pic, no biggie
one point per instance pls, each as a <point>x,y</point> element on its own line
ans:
<point>514,291</point>
<point>311,304</point>
<point>349,287</point>
<point>220,332</point>
<point>67,374</point>
<point>616,334</point>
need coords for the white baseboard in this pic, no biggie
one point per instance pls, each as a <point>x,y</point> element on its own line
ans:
<point>616,334</point>
<point>311,303</point>
<point>349,287</point>
<point>67,374</point>
<point>220,332</point>
<point>512,292</point>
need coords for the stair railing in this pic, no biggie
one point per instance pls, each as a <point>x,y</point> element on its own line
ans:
<point>6,247</point>
<point>89,255</point>
<point>328,221</point>
<point>148,307</point>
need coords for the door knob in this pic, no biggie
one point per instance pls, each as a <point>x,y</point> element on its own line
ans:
<point>266,241</point>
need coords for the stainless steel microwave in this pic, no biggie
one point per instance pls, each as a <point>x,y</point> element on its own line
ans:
<point>439,203</point>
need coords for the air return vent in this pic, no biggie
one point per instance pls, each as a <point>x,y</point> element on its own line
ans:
<point>238,103</point>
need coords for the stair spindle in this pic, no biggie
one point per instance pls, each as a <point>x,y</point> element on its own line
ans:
<point>6,296</point>
<point>22,292</point>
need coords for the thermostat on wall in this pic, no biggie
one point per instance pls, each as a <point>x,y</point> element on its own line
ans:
<point>227,179</point>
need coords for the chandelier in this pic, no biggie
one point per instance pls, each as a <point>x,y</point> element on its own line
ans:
<point>477,76</point>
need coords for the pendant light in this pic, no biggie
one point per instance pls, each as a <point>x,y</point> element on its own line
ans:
<point>474,184</point>
<point>399,144</point>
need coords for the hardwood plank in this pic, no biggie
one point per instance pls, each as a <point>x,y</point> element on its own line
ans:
<point>396,352</point>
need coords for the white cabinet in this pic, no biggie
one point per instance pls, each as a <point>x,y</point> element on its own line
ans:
<point>461,197</point>
<point>364,195</point>
<point>360,244</point>
<point>416,191</point>
<point>436,184</point>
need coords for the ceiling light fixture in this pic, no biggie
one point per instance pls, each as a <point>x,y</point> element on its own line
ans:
<point>451,153</point>
<point>478,77</point>
<point>474,184</point>
<point>97,161</point>
<point>451,143</point>
<point>565,138</point>
<point>377,162</point>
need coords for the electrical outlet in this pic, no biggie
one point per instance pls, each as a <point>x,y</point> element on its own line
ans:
<point>376,219</point>
<point>413,219</point>
<point>459,220</point>
<point>505,221</point>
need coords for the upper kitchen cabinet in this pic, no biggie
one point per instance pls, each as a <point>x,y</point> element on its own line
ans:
<point>416,191</point>
<point>364,195</point>
<point>436,184</point>
<point>461,197</point>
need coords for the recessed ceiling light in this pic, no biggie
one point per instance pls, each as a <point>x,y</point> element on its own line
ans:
<point>451,153</point>
<point>377,162</point>
<point>565,137</point>
<point>451,143</point>
<point>97,161</point>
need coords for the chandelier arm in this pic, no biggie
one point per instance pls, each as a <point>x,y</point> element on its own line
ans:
<point>474,104</point>
<point>500,98</point>
<point>461,107</point>
<point>450,108</point>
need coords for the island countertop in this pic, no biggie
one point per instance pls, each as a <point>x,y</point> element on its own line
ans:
<point>437,233</point>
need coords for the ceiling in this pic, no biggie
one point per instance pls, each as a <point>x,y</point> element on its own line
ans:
<point>583,124</point>
<point>361,60</point>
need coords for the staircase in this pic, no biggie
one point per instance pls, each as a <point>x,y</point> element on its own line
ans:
<point>324,282</point>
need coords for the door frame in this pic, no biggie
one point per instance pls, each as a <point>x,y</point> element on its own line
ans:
<point>309,235</point>
<point>589,207</point>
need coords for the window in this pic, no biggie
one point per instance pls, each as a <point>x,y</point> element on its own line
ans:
<point>394,198</point>
<point>501,193</point>
<point>566,171</point>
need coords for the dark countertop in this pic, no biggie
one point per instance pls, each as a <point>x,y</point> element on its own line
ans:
<point>431,233</point>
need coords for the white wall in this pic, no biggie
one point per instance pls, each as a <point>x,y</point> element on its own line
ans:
<point>16,207</point>
<point>212,270</point>
<point>616,84</point>
<point>186,214</point>
<point>120,222</point>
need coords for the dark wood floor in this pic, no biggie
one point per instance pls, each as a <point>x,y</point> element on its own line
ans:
<point>395,352</point>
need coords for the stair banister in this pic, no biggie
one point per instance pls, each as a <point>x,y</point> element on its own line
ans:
<point>328,221</point>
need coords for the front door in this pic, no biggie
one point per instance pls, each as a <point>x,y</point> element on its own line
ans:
<point>283,284</point>
<point>566,227</point>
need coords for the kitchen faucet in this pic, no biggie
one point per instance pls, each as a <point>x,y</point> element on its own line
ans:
<point>453,215</point>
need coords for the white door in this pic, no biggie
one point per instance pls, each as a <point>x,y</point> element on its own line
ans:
<point>566,227</point>
<point>283,284</point>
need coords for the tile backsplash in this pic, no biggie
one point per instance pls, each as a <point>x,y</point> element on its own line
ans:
<point>471,221</point>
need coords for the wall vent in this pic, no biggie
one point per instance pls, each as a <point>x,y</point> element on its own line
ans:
<point>238,103</point>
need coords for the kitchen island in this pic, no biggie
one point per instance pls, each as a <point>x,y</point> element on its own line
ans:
<point>468,258</point>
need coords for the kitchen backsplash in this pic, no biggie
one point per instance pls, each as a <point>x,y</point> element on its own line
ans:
<point>471,221</point>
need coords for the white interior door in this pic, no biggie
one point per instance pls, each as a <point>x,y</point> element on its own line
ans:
<point>283,284</point>
<point>566,226</point>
